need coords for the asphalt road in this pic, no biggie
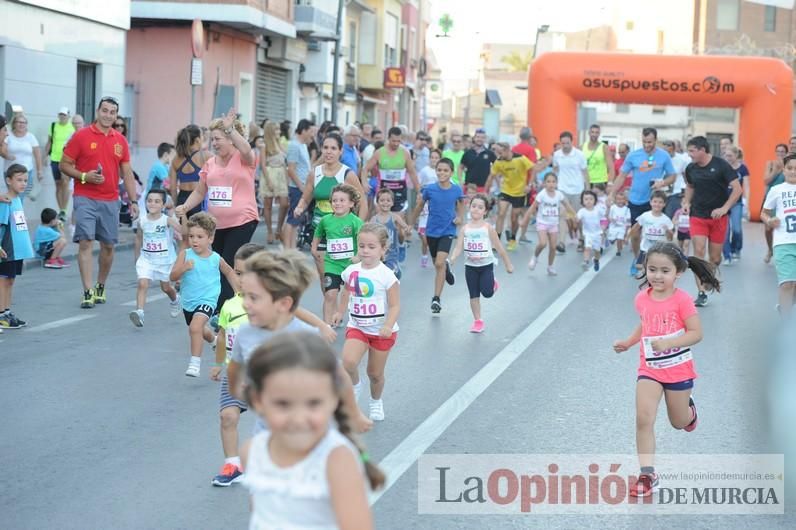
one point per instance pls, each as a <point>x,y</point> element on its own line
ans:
<point>103,430</point>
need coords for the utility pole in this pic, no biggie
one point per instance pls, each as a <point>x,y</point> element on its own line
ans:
<point>337,39</point>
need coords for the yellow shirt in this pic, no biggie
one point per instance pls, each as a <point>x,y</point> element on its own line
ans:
<point>514,173</point>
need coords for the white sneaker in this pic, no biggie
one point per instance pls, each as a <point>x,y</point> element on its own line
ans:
<point>532,263</point>
<point>357,390</point>
<point>551,271</point>
<point>193,369</point>
<point>376,410</point>
<point>137,318</point>
<point>174,307</point>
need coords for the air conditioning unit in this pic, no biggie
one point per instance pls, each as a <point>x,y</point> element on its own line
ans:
<point>313,45</point>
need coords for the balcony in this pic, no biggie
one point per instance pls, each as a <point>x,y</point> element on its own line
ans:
<point>314,22</point>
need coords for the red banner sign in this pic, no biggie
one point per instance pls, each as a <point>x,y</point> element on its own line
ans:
<point>394,78</point>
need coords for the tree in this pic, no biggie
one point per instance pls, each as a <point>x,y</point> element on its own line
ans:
<point>517,62</point>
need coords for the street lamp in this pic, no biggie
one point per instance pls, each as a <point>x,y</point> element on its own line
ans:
<point>540,29</point>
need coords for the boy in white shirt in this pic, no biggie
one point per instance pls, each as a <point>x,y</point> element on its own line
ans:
<point>653,225</point>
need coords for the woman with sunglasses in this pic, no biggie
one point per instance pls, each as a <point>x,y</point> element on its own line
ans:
<point>23,148</point>
<point>227,179</point>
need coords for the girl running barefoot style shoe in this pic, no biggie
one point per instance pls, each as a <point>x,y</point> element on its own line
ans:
<point>307,470</point>
<point>197,268</point>
<point>445,213</point>
<point>547,208</point>
<point>477,241</point>
<point>397,229</point>
<point>339,230</point>
<point>372,299</point>
<point>157,256</point>
<point>669,327</point>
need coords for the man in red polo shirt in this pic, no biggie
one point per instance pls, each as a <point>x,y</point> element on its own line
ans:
<point>94,157</point>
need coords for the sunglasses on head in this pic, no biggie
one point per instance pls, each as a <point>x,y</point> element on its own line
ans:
<point>480,131</point>
<point>109,99</point>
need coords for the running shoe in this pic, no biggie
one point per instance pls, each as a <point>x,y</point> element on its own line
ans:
<point>736,256</point>
<point>376,410</point>
<point>52,263</point>
<point>693,425</point>
<point>727,261</point>
<point>701,299</point>
<point>512,246</point>
<point>618,253</point>
<point>633,269</point>
<point>477,327</point>
<point>62,262</point>
<point>99,294</point>
<point>449,277</point>
<point>193,369</point>
<point>551,271</point>
<point>62,216</point>
<point>88,299</point>
<point>596,265</point>
<point>424,261</point>
<point>580,246</point>
<point>561,249</point>
<point>532,263</point>
<point>230,474</point>
<point>8,321</point>
<point>644,485</point>
<point>174,307</point>
<point>137,318</point>
<point>436,306</point>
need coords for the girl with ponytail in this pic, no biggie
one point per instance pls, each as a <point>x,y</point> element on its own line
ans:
<point>308,470</point>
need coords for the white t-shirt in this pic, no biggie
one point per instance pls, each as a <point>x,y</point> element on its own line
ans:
<point>619,217</point>
<point>680,161</point>
<point>367,306</point>
<point>477,246</point>
<point>427,175</point>
<point>782,197</point>
<point>549,209</point>
<point>296,496</point>
<point>653,228</point>
<point>570,168</point>
<point>22,149</point>
<point>590,220</point>
<point>158,242</point>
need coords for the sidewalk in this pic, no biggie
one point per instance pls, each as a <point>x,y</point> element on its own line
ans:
<point>126,242</point>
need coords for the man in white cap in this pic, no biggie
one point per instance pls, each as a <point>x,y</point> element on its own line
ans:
<point>60,132</point>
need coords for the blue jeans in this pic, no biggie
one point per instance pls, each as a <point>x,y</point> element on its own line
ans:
<point>734,241</point>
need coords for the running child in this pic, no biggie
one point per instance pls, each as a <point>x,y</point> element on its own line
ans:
<point>445,213</point>
<point>372,301</point>
<point>339,229</point>
<point>779,213</point>
<point>232,316</point>
<point>397,229</point>
<point>653,225</point>
<point>272,285</point>
<point>427,176</point>
<point>50,239</point>
<point>683,223</point>
<point>197,268</point>
<point>15,246</point>
<point>307,470</point>
<point>669,327</point>
<point>619,222</point>
<point>157,254</point>
<point>477,240</point>
<point>589,224</point>
<point>547,208</point>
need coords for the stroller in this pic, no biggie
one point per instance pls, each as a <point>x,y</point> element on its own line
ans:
<point>307,230</point>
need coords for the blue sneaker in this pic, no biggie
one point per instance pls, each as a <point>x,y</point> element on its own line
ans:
<point>402,253</point>
<point>633,269</point>
<point>214,323</point>
<point>229,475</point>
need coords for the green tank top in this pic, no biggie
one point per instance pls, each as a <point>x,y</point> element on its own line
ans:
<point>322,192</point>
<point>596,164</point>
<point>392,167</point>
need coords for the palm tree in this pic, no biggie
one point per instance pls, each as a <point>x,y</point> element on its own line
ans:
<point>517,62</point>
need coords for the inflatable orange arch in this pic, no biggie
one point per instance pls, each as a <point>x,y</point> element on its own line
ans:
<point>761,87</point>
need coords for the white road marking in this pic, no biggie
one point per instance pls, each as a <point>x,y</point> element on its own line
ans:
<point>413,446</point>
<point>149,299</point>
<point>60,323</point>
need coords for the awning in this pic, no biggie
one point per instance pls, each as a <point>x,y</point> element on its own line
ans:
<point>369,99</point>
<point>492,98</point>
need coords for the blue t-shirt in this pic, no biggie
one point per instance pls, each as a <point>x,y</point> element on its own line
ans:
<point>202,284</point>
<point>44,235</point>
<point>350,158</point>
<point>157,176</point>
<point>14,234</point>
<point>298,154</point>
<point>441,209</point>
<point>645,169</point>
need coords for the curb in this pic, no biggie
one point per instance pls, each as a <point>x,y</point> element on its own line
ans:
<point>36,263</point>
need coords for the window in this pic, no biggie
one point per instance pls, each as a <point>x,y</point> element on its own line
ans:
<point>657,109</point>
<point>352,42</point>
<point>86,90</point>
<point>770,20</point>
<point>622,108</point>
<point>727,12</point>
